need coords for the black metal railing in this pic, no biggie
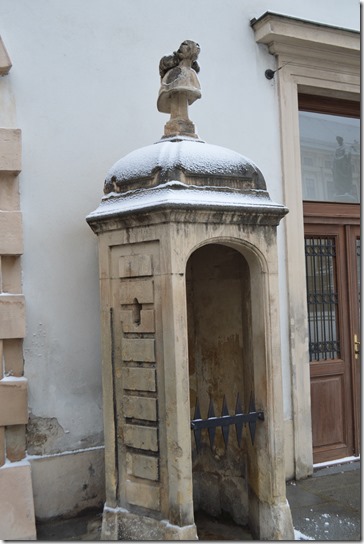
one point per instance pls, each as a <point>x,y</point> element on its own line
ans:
<point>212,422</point>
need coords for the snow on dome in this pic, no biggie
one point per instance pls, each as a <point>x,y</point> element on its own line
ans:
<point>175,194</point>
<point>181,159</point>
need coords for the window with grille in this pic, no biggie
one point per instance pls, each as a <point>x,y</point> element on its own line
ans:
<point>322,298</point>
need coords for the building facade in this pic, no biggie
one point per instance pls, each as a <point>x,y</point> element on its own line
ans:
<point>78,91</point>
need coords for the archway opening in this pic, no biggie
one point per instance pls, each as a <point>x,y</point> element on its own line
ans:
<point>220,357</point>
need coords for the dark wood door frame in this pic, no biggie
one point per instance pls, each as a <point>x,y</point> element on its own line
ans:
<point>340,221</point>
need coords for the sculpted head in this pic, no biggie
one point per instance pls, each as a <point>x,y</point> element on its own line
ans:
<point>187,54</point>
<point>188,50</point>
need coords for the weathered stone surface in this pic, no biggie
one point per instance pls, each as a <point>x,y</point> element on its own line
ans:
<point>10,149</point>
<point>270,520</point>
<point>12,316</point>
<point>140,437</point>
<point>42,434</point>
<point>140,494</point>
<point>9,192</point>
<point>138,350</point>
<point>13,357</point>
<point>68,483</point>
<point>15,442</point>
<point>139,379</point>
<point>135,265</point>
<point>13,401</point>
<point>11,233</point>
<point>16,503</point>
<point>11,278</point>
<point>141,290</point>
<point>143,466</point>
<point>146,323</point>
<point>140,408</point>
<point>120,524</point>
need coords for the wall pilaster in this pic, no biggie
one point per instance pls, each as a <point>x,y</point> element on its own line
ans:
<point>16,496</point>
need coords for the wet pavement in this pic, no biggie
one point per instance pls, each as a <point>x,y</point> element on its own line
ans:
<point>326,506</point>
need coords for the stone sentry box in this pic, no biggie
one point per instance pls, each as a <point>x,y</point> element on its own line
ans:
<point>189,302</point>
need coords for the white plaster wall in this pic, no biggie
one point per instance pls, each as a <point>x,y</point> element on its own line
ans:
<point>85,83</point>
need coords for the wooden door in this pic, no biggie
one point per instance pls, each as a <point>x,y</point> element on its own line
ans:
<point>332,247</point>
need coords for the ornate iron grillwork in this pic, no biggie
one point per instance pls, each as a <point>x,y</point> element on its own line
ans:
<point>358,261</point>
<point>322,298</point>
<point>212,422</point>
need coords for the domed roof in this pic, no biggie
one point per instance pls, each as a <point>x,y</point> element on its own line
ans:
<point>188,160</point>
<point>186,173</point>
<point>181,171</point>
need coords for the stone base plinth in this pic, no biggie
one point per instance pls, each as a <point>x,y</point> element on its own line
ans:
<point>270,521</point>
<point>179,127</point>
<point>17,521</point>
<point>120,524</point>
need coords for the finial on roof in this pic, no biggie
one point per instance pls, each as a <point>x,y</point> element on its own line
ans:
<point>180,87</point>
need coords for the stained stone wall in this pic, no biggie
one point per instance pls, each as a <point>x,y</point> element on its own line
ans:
<point>219,331</point>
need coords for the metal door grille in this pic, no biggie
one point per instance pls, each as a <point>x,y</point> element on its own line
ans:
<point>322,298</point>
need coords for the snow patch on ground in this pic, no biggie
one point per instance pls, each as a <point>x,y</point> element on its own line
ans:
<point>300,536</point>
<point>336,462</point>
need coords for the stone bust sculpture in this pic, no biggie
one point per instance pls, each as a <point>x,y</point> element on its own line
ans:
<point>179,88</point>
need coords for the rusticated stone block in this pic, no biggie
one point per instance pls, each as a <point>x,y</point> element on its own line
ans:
<point>142,466</point>
<point>11,274</point>
<point>142,494</point>
<point>135,265</point>
<point>11,233</point>
<point>140,437</point>
<point>141,350</point>
<point>13,401</point>
<point>9,192</point>
<point>141,290</point>
<point>140,408</point>
<point>12,316</point>
<point>16,503</point>
<point>139,379</point>
<point>13,356</point>
<point>15,442</point>
<point>10,150</point>
<point>146,321</point>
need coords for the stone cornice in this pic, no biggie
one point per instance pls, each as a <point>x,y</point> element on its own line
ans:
<point>180,214</point>
<point>284,35</point>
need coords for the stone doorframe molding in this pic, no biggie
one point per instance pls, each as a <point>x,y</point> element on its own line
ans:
<point>320,60</point>
<point>17,520</point>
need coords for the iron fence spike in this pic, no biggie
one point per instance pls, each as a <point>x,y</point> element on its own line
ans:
<point>197,410</point>
<point>224,411</point>
<point>211,412</point>
<point>252,403</point>
<point>252,427</point>
<point>225,428</point>
<point>238,409</point>
<point>197,433</point>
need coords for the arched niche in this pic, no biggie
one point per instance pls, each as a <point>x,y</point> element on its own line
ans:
<point>224,289</point>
